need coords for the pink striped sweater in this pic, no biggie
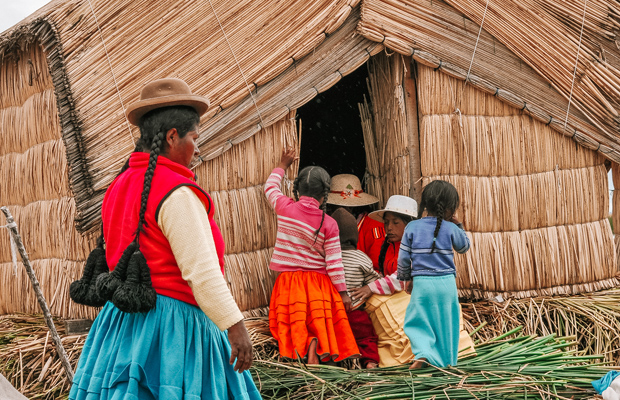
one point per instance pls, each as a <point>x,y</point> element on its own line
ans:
<point>296,249</point>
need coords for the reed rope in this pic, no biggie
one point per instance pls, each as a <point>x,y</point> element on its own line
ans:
<point>105,48</point>
<point>572,85</point>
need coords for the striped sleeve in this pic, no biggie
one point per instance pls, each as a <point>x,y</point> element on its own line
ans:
<point>272,187</point>
<point>388,285</point>
<point>333,259</point>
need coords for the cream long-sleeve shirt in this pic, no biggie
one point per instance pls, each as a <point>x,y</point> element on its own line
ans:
<point>185,223</point>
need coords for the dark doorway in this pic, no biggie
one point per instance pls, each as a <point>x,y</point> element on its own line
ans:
<point>331,129</point>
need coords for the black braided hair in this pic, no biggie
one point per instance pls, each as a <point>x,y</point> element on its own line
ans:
<point>129,286</point>
<point>313,182</point>
<point>440,199</point>
<point>406,219</point>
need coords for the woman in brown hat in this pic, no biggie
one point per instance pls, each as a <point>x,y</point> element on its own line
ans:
<point>171,328</point>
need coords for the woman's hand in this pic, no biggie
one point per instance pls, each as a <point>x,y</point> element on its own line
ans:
<point>346,300</point>
<point>241,347</point>
<point>289,155</point>
<point>362,294</point>
<point>408,285</point>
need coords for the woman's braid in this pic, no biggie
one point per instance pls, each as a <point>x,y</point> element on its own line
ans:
<point>324,209</point>
<point>296,188</point>
<point>156,147</point>
<point>382,253</point>
<point>440,213</point>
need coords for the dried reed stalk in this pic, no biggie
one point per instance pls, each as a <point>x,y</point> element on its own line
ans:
<point>526,262</point>
<point>555,49</point>
<point>48,231</point>
<point>55,276</point>
<point>250,279</point>
<point>38,174</point>
<point>384,123</point>
<point>592,318</point>
<point>561,197</point>
<point>615,174</point>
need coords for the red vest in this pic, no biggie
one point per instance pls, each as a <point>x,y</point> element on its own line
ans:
<point>120,209</point>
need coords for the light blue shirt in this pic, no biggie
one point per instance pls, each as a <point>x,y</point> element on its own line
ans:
<point>415,257</point>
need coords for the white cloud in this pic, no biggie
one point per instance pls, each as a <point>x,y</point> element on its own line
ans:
<point>14,11</point>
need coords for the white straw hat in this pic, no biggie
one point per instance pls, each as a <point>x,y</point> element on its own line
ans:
<point>346,190</point>
<point>397,204</point>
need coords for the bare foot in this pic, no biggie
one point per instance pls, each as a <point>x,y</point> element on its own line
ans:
<point>417,364</point>
<point>313,358</point>
<point>371,365</point>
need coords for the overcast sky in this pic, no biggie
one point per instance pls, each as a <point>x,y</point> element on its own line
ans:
<point>13,11</point>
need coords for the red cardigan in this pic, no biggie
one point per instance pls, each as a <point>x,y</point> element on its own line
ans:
<point>120,209</point>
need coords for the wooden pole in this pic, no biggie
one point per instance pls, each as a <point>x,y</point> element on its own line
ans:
<point>413,134</point>
<point>37,289</point>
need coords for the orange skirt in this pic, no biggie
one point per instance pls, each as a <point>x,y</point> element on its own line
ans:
<point>306,306</point>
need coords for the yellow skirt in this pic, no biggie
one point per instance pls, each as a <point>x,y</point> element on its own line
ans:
<point>387,313</point>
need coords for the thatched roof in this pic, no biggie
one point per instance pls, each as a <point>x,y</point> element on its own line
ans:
<point>101,52</point>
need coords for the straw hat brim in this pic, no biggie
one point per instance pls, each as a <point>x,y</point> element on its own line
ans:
<point>378,215</point>
<point>364,199</point>
<point>137,110</point>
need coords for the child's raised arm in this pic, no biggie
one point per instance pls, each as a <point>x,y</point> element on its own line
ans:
<point>272,187</point>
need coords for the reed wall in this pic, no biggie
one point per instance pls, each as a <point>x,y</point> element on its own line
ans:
<point>34,184</point>
<point>534,203</point>
<point>615,211</point>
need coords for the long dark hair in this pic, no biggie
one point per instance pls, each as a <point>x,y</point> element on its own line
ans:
<point>313,182</point>
<point>406,219</point>
<point>439,197</point>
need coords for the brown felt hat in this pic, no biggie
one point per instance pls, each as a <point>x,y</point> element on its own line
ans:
<point>346,190</point>
<point>164,93</point>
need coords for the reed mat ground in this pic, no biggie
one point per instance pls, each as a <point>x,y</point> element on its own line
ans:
<point>512,365</point>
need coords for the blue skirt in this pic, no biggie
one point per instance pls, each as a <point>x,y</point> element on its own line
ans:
<point>432,319</point>
<point>172,352</point>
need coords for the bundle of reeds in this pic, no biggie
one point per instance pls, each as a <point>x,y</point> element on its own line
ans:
<point>494,145</point>
<point>24,73</point>
<point>437,35</point>
<point>40,173</point>
<point>250,279</point>
<point>384,123</point>
<point>33,122</point>
<point>615,203</point>
<point>554,52</point>
<point>55,276</point>
<point>505,367</point>
<point>560,197</point>
<point>592,318</point>
<point>48,231</point>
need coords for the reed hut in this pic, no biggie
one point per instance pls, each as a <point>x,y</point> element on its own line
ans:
<point>520,116</point>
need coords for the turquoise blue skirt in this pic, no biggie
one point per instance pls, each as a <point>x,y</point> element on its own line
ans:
<point>432,319</point>
<point>173,352</point>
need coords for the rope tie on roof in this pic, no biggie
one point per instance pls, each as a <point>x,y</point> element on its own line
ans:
<point>570,97</point>
<point>262,124</point>
<point>107,56</point>
<point>439,66</point>
<point>550,119</point>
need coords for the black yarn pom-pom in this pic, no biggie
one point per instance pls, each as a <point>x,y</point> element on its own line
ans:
<point>129,297</point>
<point>80,290</point>
<point>107,283</point>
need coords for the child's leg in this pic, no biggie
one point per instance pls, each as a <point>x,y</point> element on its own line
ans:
<point>313,357</point>
<point>365,337</point>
